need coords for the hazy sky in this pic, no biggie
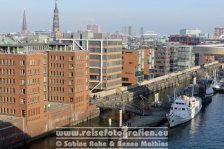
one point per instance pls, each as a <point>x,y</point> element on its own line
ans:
<point>162,16</point>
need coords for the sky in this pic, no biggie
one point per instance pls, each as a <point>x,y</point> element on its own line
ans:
<point>161,16</point>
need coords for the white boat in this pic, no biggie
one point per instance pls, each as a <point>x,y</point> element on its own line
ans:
<point>218,84</point>
<point>184,109</point>
<point>209,92</point>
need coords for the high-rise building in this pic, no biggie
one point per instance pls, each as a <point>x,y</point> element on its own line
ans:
<point>129,30</point>
<point>141,31</point>
<point>24,30</point>
<point>219,32</point>
<point>56,27</point>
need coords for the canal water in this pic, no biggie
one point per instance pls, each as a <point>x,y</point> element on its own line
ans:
<point>205,131</point>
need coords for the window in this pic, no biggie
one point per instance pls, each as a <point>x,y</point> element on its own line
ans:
<point>71,74</point>
<point>71,90</point>
<point>71,82</point>
<point>23,101</point>
<point>22,82</point>
<point>22,62</point>
<point>23,91</point>
<point>125,79</point>
<point>71,58</point>
<point>71,99</point>
<point>71,66</point>
<point>22,72</point>
<point>23,113</point>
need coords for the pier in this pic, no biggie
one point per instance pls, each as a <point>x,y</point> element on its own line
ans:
<point>115,99</point>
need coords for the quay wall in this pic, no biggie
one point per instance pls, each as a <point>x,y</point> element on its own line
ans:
<point>153,85</point>
<point>16,132</point>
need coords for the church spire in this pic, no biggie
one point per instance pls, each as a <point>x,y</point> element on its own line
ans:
<point>56,30</point>
<point>24,25</point>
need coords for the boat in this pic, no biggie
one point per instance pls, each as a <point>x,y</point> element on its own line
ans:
<point>218,84</point>
<point>206,94</point>
<point>184,109</point>
<point>205,90</point>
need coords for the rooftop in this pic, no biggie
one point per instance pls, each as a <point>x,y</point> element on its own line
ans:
<point>5,40</point>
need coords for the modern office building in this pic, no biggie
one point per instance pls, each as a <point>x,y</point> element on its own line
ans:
<point>173,59</point>
<point>105,63</point>
<point>186,57</point>
<point>105,59</point>
<point>190,32</point>
<point>162,59</point>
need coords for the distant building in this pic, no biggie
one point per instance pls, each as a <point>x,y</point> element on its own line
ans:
<point>130,30</point>
<point>7,40</point>
<point>124,30</point>
<point>151,37</point>
<point>186,57</point>
<point>56,27</point>
<point>141,31</point>
<point>190,32</point>
<point>94,28</point>
<point>162,60</point>
<point>185,39</point>
<point>24,30</point>
<point>219,32</point>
